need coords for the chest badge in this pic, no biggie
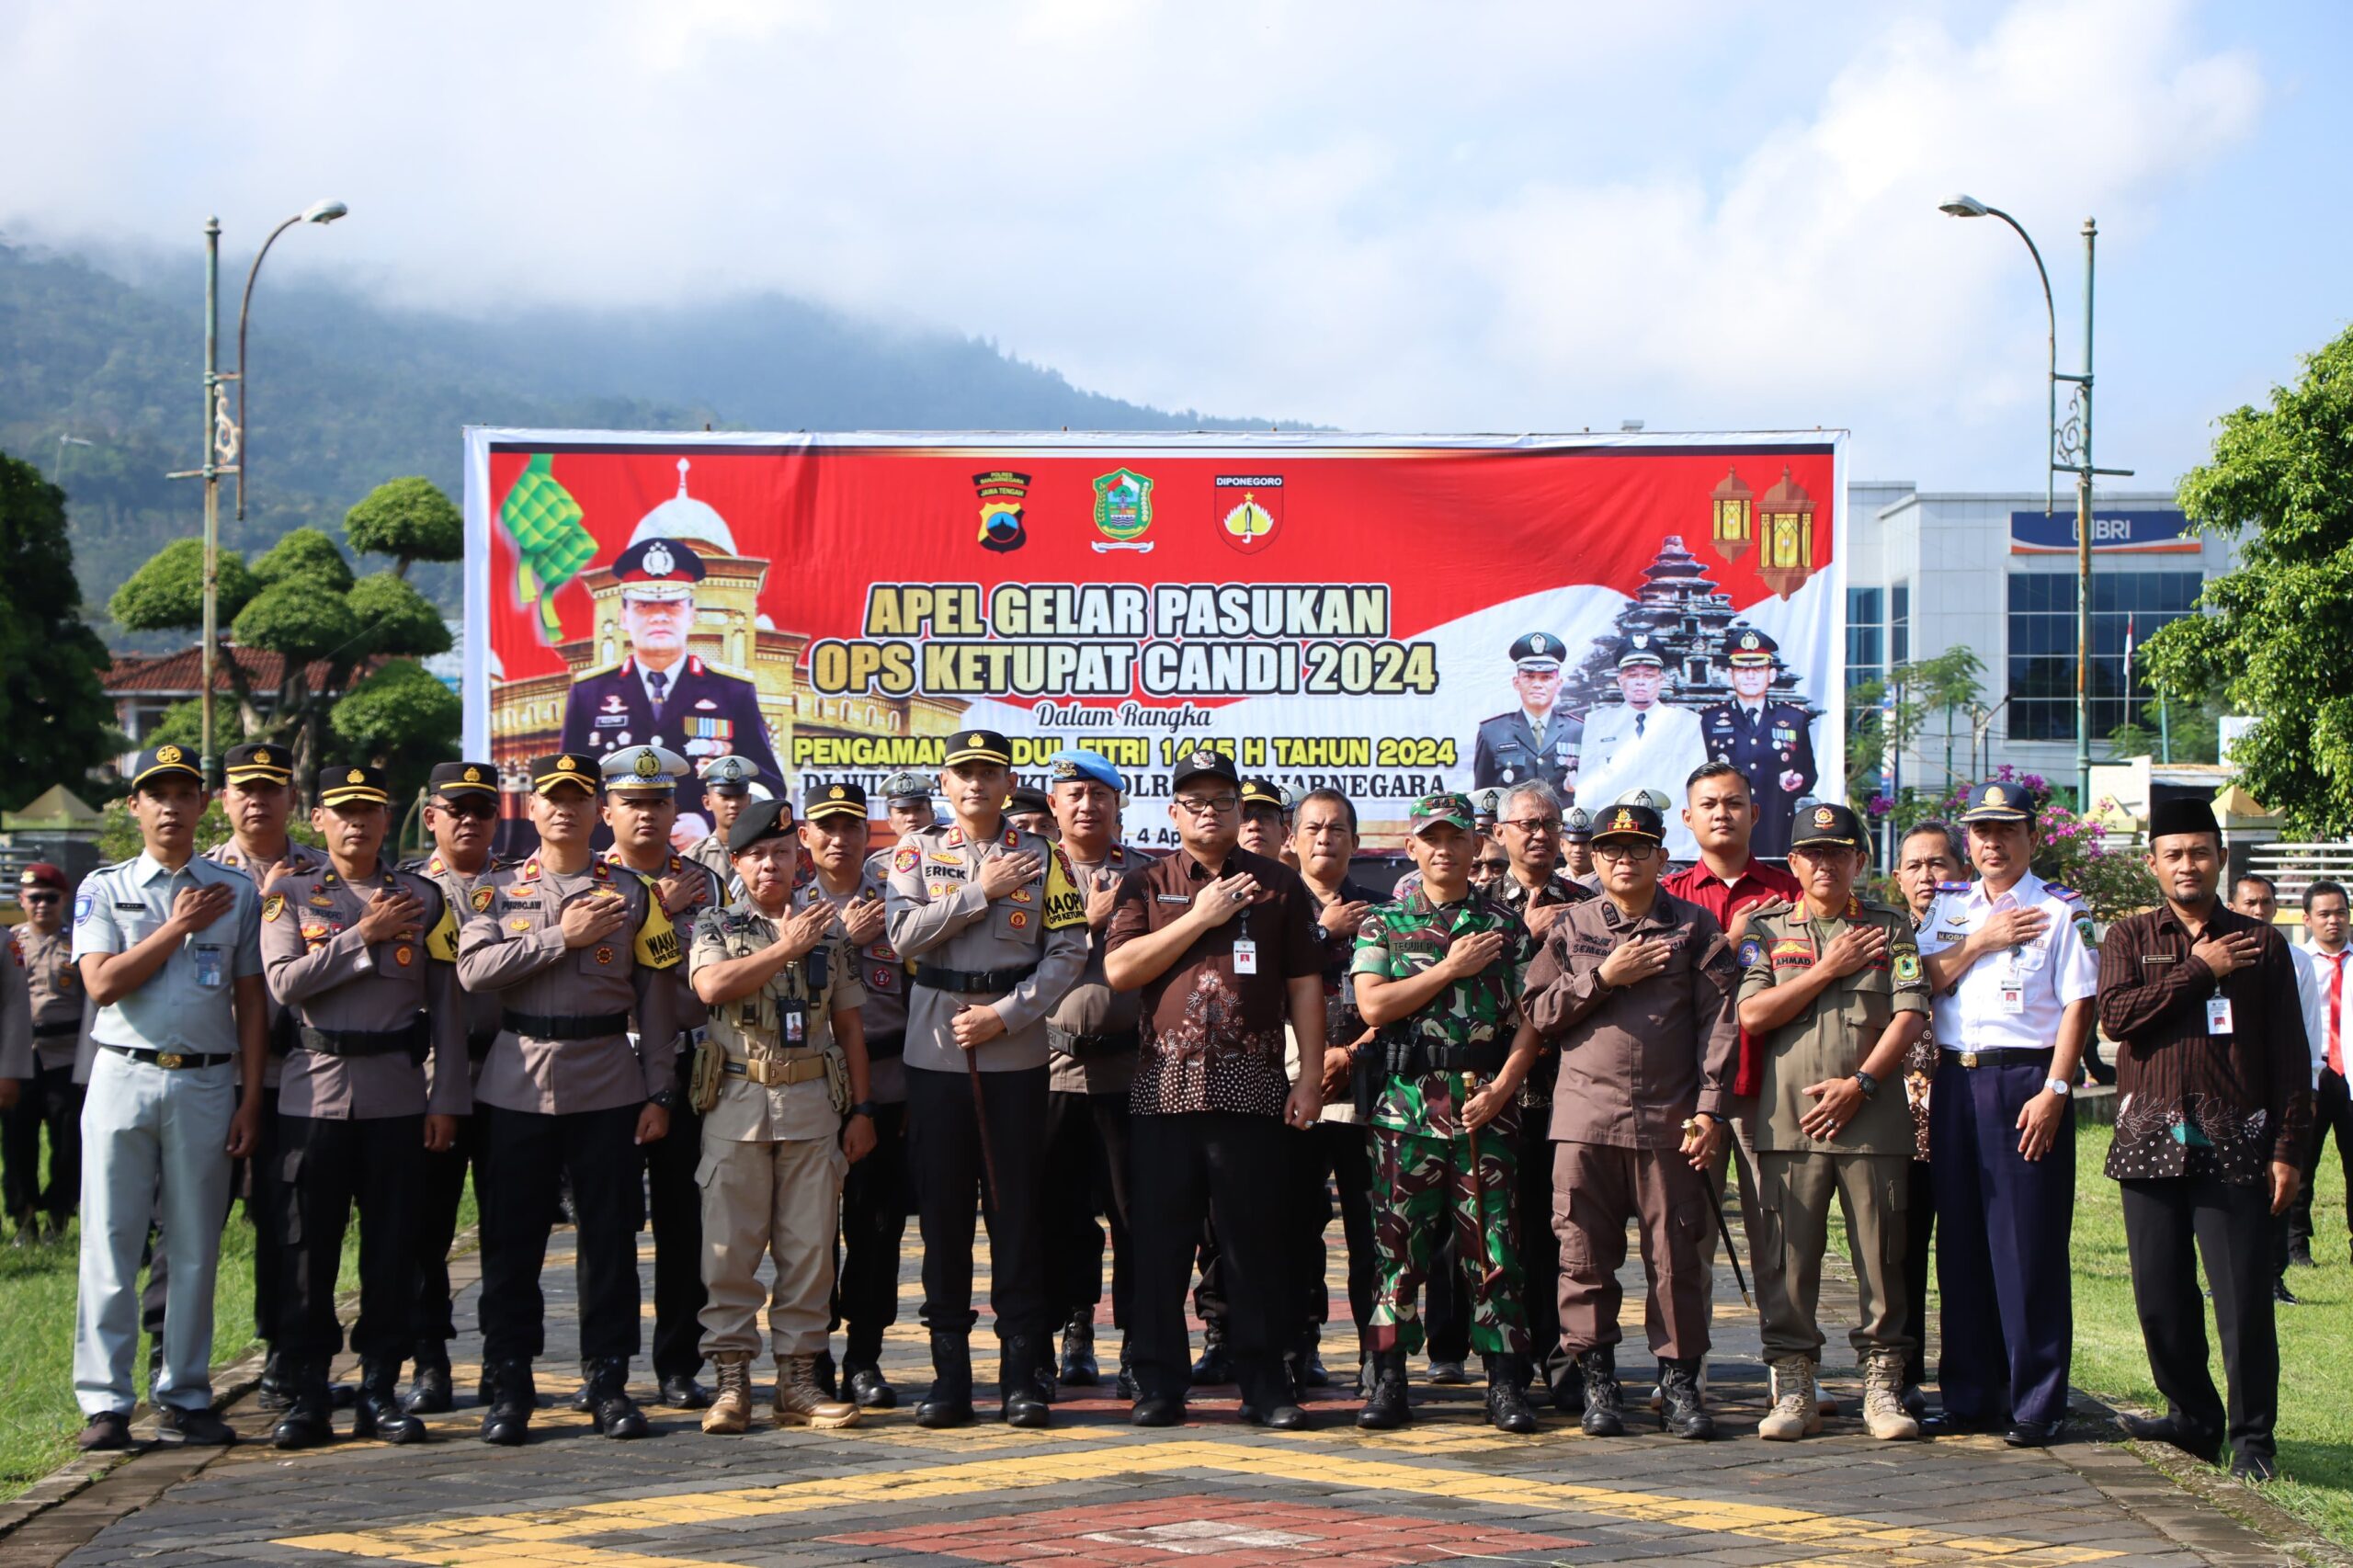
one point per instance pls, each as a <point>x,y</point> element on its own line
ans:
<point>519,924</point>
<point>604,955</point>
<point>404,955</point>
<point>1019,919</point>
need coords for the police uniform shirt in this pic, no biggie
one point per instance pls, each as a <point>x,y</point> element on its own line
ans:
<point>885,977</point>
<point>481,1008</point>
<point>710,893</point>
<point>771,1113</point>
<point>939,916</point>
<point>299,858</point>
<point>1654,748</point>
<point>1510,751</point>
<point>186,1004</point>
<point>2011,1000</point>
<point>513,944</point>
<point>1837,1031</point>
<point>54,990</point>
<point>709,852</point>
<point>1091,1007</point>
<point>1763,743</point>
<point>17,1059</point>
<point>705,713</point>
<point>333,979</point>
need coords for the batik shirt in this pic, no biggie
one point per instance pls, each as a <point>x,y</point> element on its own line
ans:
<point>1403,939</point>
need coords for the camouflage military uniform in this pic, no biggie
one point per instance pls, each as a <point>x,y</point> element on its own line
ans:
<point>1422,1171</point>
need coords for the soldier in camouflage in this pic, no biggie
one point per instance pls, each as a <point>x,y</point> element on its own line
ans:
<point>1439,973</point>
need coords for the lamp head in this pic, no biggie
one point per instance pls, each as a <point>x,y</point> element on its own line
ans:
<point>323,212</point>
<point>1963,207</point>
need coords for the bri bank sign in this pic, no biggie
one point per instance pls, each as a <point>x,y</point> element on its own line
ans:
<point>2153,530</point>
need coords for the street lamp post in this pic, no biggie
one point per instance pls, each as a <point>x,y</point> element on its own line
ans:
<point>2070,452</point>
<point>223,437</point>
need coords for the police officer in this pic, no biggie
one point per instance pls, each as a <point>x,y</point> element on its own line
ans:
<point>169,947</point>
<point>1576,847</point>
<point>575,949</point>
<point>781,1085</point>
<point>906,804</point>
<point>727,783</point>
<point>364,959</point>
<point>640,808</point>
<point>1539,739</point>
<point>997,927</point>
<point>1029,810</point>
<point>1770,743</point>
<point>50,1100</point>
<point>833,838</point>
<point>1640,743</point>
<point>2016,987</point>
<point>661,694</point>
<point>462,814</point>
<point>1832,992</point>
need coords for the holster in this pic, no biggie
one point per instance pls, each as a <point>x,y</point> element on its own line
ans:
<point>706,1074</point>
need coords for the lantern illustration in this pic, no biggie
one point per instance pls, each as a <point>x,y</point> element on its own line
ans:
<point>1732,516</point>
<point>1785,526</point>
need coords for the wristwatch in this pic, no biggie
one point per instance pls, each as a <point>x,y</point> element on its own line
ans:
<point>668,1099</point>
<point>1865,1082</point>
<point>864,1108</point>
<point>2059,1086</point>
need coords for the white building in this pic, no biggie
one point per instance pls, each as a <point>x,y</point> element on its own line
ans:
<point>1928,571</point>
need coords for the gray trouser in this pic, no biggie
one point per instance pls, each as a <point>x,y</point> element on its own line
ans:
<point>154,1144</point>
<point>1796,1191</point>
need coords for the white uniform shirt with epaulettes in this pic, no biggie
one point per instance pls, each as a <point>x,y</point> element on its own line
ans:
<point>60,1006</point>
<point>481,1008</point>
<point>692,1013</point>
<point>884,976</point>
<point>769,1113</point>
<point>1091,1007</point>
<point>938,916</point>
<point>2011,1000</point>
<point>513,944</point>
<point>1837,1031</point>
<point>299,859</point>
<point>331,978</point>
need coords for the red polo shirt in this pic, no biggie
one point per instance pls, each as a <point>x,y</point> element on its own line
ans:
<point>1758,883</point>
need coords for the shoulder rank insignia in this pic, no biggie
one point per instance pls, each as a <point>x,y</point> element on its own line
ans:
<point>1954,887</point>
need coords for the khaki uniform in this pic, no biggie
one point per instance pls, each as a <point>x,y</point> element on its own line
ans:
<point>59,1008</point>
<point>1868,1167</point>
<point>772,1165</point>
<point>1091,1032</point>
<point>709,852</point>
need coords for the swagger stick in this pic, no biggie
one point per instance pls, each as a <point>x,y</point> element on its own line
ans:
<point>981,1120</point>
<point>1723,1232</point>
<point>1493,1271</point>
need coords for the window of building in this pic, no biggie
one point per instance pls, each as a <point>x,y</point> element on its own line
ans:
<point>1866,635</point>
<point>2043,646</point>
<point>1899,624</point>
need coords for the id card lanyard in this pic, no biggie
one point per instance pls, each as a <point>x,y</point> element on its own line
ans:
<point>2012,996</point>
<point>1245,945</point>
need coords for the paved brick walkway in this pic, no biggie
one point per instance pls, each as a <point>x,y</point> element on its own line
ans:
<point>1091,1491</point>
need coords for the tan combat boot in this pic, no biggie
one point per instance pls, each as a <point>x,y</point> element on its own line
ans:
<point>1883,1411</point>
<point>1795,1411</point>
<point>730,1407</point>
<point>799,1401</point>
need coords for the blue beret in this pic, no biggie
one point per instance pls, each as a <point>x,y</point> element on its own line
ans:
<point>1073,763</point>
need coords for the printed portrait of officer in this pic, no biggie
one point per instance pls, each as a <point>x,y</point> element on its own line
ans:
<point>1538,739</point>
<point>661,695</point>
<point>1770,743</point>
<point>1641,742</point>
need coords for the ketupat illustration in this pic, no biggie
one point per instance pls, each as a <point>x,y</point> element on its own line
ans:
<point>543,520</point>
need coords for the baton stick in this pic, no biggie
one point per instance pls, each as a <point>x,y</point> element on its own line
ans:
<point>1723,1232</point>
<point>1491,1271</point>
<point>980,1123</point>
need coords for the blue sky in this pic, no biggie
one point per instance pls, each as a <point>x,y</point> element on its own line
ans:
<point>1378,216</point>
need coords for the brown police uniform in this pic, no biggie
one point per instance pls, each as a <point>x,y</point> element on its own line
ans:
<point>1636,1061</point>
<point>1867,1169</point>
<point>56,1010</point>
<point>875,1199</point>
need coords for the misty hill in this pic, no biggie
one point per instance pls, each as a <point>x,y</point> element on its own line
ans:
<point>347,393</point>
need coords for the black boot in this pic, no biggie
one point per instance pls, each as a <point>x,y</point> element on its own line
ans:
<point>509,1398</point>
<point>869,1390</point>
<point>610,1406</point>
<point>429,1393</point>
<point>1683,1410</point>
<point>1216,1366</point>
<point>380,1412</point>
<point>862,1379</point>
<point>1020,1362</point>
<point>275,1392</point>
<point>309,1420</point>
<point>949,1403</point>
<point>1388,1408</point>
<point>827,1373</point>
<point>1126,1387</point>
<point>1079,1369</point>
<point>1507,1395</point>
<point>1605,1413</point>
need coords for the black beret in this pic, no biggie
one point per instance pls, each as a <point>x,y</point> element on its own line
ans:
<point>762,819</point>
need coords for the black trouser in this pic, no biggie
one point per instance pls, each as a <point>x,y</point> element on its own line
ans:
<point>2170,1225</point>
<point>944,1159</point>
<point>1446,1305</point>
<point>1539,1247</point>
<point>1342,1152</point>
<point>874,1217</point>
<point>256,1177</point>
<point>441,1186</point>
<point>1189,1166</point>
<point>326,1167</point>
<point>1087,1172</point>
<point>522,1155</point>
<point>675,1211</point>
<point>51,1100</point>
<point>2332,1113</point>
<point>1919,1247</point>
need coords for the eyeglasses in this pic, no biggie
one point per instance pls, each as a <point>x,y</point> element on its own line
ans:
<point>1626,852</point>
<point>1193,805</point>
<point>37,898</point>
<point>1490,868</point>
<point>465,808</point>
<point>1532,826</point>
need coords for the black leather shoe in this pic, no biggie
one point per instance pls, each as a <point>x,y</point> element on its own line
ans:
<point>1944,1424</point>
<point>380,1412</point>
<point>2168,1430</point>
<point>106,1432</point>
<point>1079,1369</point>
<point>1389,1406</point>
<point>308,1418</point>
<point>511,1397</point>
<point>1313,1373</point>
<point>682,1392</point>
<point>2034,1434</point>
<point>1157,1412</point>
<point>272,1392</point>
<point>1215,1368</point>
<point>581,1400</point>
<point>429,1393</point>
<point>949,1403</point>
<point>1283,1417</point>
<point>1021,1369</point>
<point>2281,1294</point>
<point>870,1391</point>
<point>1507,1395</point>
<point>2255,1468</point>
<point>610,1406</point>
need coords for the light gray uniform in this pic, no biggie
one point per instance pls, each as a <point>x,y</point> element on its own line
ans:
<point>711,853</point>
<point>154,1138</point>
<point>300,860</point>
<point>481,1008</point>
<point>17,1059</point>
<point>886,979</point>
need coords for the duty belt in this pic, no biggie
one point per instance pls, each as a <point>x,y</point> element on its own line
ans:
<point>775,1071</point>
<point>1974,1058</point>
<point>53,1031</point>
<point>970,979</point>
<point>411,1038</point>
<point>1411,1059</point>
<point>593,1025</point>
<point>882,1048</point>
<point>1070,1044</point>
<point>169,1061</point>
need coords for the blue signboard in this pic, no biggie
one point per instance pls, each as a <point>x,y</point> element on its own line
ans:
<point>2152,530</point>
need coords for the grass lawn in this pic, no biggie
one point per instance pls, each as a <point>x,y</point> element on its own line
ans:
<point>38,1416</point>
<point>2315,1340</point>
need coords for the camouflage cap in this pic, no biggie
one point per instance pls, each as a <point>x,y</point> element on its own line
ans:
<point>1431,810</point>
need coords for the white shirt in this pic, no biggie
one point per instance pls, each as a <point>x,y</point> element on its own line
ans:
<point>2048,974</point>
<point>1616,761</point>
<point>2312,985</point>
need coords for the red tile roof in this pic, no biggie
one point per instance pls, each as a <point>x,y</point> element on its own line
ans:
<point>183,671</point>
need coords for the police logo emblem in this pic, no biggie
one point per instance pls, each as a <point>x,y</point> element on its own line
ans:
<point>647,766</point>
<point>261,757</point>
<point>481,898</point>
<point>906,859</point>
<point>836,793</point>
<point>567,765</point>
<point>473,775</point>
<point>1019,919</point>
<point>1623,822</point>
<point>167,753</point>
<point>404,955</point>
<point>1823,816</point>
<point>519,924</point>
<point>1001,495</point>
<point>273,906</point>
<point>604,955</point>
<point>1994,796</point>
<point>657,561</point>
<point>354,777</point>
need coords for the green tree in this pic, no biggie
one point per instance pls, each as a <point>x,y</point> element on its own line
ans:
<point>54,718</point>
<point>2272,640</point>
<point>1870,728</point>
<point>1947,683</point>
<point>402,720</point>
<point>300,600</point>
